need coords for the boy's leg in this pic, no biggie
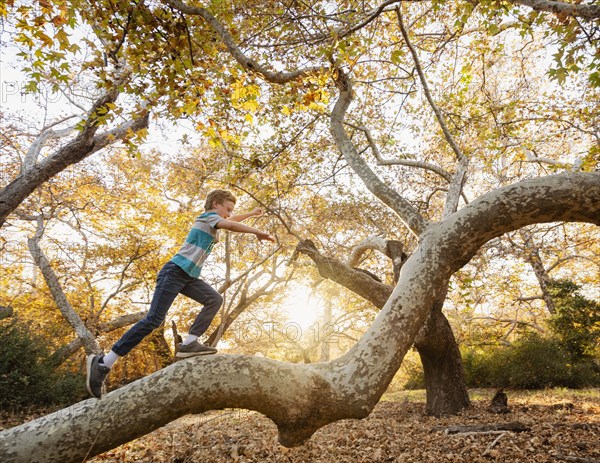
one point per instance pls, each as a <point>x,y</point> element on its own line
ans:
<point>170,280</point>
<point>201,292</point>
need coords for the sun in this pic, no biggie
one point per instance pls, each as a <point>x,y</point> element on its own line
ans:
<point>302,305</point>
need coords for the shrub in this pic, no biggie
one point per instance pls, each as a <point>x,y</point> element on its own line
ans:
<point>26,376</point>
<point>577,319</point>
<point>532,362</point>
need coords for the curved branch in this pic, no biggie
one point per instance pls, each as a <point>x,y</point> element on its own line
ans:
<point>407,213</point>
<point>401,162</point>
<point>355,280</point>
<point>246,62</point>
<point>589,12</point>
<point>302,398</point>
<point>34,150</point>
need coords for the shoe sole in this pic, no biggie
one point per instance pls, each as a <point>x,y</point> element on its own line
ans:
<point>88,369</point>
<point>184,355</point>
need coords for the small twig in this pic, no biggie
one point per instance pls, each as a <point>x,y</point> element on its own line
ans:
<point>493,444</point>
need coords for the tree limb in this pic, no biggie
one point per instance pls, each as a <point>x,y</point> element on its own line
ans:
<point>84,144</point>
<point>590,12</point>
<point>438,114</point>
<point>87,338</point>
<point>402,162</point>
<point>407,213</point>
<point>64,352</point>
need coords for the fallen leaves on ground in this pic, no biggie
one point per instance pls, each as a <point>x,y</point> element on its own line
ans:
<point>563,425</point>
<point>394,432</point>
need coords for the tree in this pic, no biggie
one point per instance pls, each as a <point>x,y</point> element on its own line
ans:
<point>449,228</point>
<point>302,398</point>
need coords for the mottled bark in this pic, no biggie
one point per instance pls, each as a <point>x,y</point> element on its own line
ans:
<point>445,382</point>
<point>302,398</point>
<point>589,12</point>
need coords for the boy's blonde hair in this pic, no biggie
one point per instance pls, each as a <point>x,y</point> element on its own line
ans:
<point>219,197</point>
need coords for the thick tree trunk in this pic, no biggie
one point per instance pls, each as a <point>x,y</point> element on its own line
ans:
<point>442,364</point>
<point>302,398</point>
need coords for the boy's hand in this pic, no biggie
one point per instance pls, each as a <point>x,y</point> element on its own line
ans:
<point>265,236</point>
<point>257,211</point>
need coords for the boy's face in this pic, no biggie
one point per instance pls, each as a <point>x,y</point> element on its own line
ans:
<point>225,209</point>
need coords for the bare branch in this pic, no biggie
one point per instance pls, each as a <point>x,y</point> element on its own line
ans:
<point>67,311</point>
<point>34,150</point>
<point>575,167</point>
<point>376,242</point>
<point>402,162</point>
<point>455,190</point>
<point>414,221</point>
<point>438,114</point>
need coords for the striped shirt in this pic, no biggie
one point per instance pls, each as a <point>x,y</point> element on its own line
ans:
<point>198,244</point>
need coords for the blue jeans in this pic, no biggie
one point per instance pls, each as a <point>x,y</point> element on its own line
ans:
<point>171,281</point>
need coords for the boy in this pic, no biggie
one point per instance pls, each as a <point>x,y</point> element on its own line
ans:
<point>180,276</point>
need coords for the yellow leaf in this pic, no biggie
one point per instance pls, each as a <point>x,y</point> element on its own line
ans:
<point>249,118</point>
<point>251,105</point>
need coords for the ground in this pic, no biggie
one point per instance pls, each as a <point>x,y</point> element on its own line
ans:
<point>564,426</point>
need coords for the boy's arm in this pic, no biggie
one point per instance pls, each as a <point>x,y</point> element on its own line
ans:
<point>241,217</point>
<point>228,224</point>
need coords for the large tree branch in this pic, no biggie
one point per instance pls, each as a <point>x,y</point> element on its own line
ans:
<point>590,12</point>
<point>83,145</point>
<point>407,213</point>
<point>302,398</point>
<point>355,280</point>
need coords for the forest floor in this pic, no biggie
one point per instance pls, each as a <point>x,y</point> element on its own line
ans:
<point>562,425</point>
